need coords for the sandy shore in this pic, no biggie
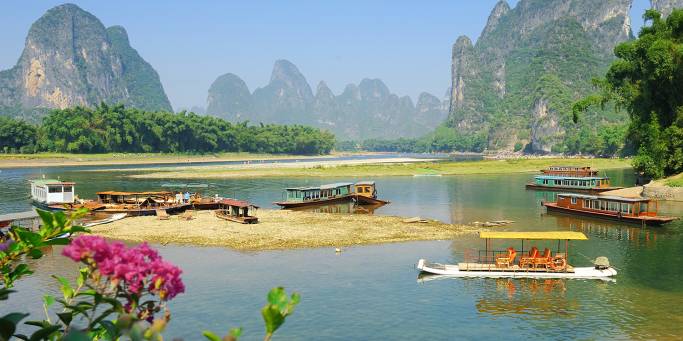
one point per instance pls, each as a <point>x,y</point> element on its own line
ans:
<point>372,167</point>
<point>280,229</point>
<point>256,169</point>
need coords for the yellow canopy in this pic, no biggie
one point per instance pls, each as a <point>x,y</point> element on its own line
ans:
<point>557,235</point>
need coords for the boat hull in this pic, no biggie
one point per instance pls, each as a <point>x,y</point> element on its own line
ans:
<point>363,200</point>
<point>640,220</point>
<point>288,204</point>
<point>454,271</point>
<point>593,190</point>
<point>241,220</point>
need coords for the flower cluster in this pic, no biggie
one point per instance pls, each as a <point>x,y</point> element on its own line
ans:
<point>135,269</point>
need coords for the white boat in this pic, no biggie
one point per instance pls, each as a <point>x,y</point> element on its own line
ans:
<point>45,192</point>
<point>501,264</point>
<point>454,271</point>
<point>112,218</point>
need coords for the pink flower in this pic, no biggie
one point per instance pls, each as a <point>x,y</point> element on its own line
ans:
<point>135,268</point>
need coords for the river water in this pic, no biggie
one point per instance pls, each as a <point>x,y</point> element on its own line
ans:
<point>373,292</point>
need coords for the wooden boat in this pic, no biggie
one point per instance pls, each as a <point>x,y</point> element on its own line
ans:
<point>237,211</point>
<point>365,193</point>
<point>580,172</point>
<point>139,203</point>
<point>571,183</point>
<point>47,192</point>
<point>503,264</point>
<point>642,211</point>
<point>312,196</point>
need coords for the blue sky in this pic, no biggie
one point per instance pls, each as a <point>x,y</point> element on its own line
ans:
<point>407,44</point>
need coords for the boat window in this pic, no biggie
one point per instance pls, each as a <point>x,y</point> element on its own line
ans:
<point>574,200</point>
<point>643,207</point>
<point>614,206</point>
<point>54,189</point>
<point>68,189</point>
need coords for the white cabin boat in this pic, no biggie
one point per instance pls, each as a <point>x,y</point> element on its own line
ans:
<point>531,264</point>
<point>46,192</point>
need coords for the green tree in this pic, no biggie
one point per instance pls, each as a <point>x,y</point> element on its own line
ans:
<point>647,81</point>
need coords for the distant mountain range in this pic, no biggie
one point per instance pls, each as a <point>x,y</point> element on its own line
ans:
<point>71,59</point>
<point>366,110</point>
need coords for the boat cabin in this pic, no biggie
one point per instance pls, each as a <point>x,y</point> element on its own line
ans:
<point>237,210</point>
<point>324,192</point>
<point>366,189</point>
<point>608,204</point>
<point>136,198</point>
<point>570,171</point>
<point>49,191</point>
<point>572,181</point>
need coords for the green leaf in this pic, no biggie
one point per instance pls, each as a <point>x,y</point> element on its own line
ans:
<point>278,297</point>
<point>46,217</point>
<point>76,335</point>
<point>236,332</point>
<point>8,324</point>
<point>40,324</point>
<point>58,241</point>
<point>4,293</point>
<point>48,300</point>
<point>65,317</point>
<point>272,317</point>
<point>211,336</point>
<point>35,253</point>
<point>82,276</point>
<point>44,333</point>
<point>112,331</point>
<point>65,287</point>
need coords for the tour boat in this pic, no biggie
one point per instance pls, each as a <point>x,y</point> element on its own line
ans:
<point>46,192</point>
<point>637,210</point>
<point>531,264</point>
<point>365,193</point>
<point>582,171</point>
<point>591,184</point>
<point>237,211</point>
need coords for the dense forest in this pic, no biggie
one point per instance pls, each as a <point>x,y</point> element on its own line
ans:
<point>118,129</point>
<point>604,141</point>
<point>646,81</point>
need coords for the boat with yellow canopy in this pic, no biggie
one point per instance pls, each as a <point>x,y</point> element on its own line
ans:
<point>531,263</point>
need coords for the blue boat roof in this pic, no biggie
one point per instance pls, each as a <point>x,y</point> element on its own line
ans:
<point>328,186</point>
<point>560,177</point>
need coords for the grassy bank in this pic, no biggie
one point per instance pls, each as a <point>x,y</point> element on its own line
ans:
<point>674,181</point>
<point>342,169</point>
<point>65,159</point>
<point>280,229</point>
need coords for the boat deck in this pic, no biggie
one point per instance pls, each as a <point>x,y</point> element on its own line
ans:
<point>514,268</point>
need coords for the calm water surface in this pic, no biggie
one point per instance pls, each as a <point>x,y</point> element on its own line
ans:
<point>373,292</point>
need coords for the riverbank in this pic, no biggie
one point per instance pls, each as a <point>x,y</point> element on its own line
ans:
<point>280,229</point>
<point>670,188</point>
<point>65,159</point>
<point>375,167</point>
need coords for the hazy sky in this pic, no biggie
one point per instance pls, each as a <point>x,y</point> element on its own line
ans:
<point>407,44</point>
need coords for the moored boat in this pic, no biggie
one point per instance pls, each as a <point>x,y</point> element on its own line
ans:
<point>638,210</point>
<point>571,183</point>
<point>312,196</point>
<point>531,264</point>
<point>140,203</point>
<point>365,193</point>
<point>47,192</point>
<point>237,210</point>
<point>574,171</point>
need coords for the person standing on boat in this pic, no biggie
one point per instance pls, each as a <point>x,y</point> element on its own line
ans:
<point>179,198</point>
<point>187,197</point>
